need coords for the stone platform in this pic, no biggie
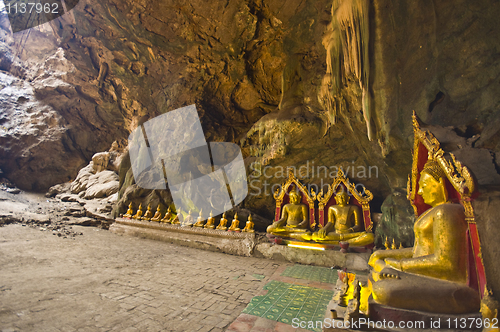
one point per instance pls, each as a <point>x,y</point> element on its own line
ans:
<point>241,244</point>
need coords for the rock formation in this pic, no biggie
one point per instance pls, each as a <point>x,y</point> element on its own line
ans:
<point>268,75</point>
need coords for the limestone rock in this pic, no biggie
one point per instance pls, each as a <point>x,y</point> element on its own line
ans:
<point>100,161</point>
<point>58,189</point>
<point>102,184</point>
<point>81,181</point>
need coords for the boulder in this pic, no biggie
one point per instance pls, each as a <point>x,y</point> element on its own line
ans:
<point>58,189</point>
<point>80,183</point>
<point>100,161</point>
<point>102,184</point>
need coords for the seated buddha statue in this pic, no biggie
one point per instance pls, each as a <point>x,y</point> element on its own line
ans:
<point>344,224</point>
<point>188,220</point>
<point>223,222</point>
<point>157,216</point>
<point>176,220</point>
<point>168,216</point>
<point>138,214</point>
<point>200,222</point>
<point>148,215</point>
<point>130,212</point>
<point>294,220</point>
<point>432,275</point>
<point>235,225</point>
<point>249,225</point>
<point>210,221</point>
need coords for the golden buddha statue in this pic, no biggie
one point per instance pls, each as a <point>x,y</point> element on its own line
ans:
<point>344,224</point>
<point>200,222</point>
<point>249,225</point>
<point>188,220</point>
<point>130,212</point>
<point>157,216</point>
<point>139,213</point>
<point>176,220</point>
<point>223,222</point>
<point>210,221</point>
<point>168,216</point>
<point>294,220</point>
<point>147,216</point>
<point>235,225</point>
<point>432,275</point>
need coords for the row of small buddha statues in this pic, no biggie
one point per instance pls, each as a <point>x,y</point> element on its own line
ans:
<point>188,220</point>
<point>389,246</point>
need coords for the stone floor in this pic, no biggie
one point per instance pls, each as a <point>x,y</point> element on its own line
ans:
<point>100,281</point>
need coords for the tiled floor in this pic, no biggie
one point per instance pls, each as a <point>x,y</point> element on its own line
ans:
<point>313,273</point>
<point>289,298</point>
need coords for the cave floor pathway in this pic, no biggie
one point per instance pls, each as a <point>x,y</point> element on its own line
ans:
<point>100,281</point>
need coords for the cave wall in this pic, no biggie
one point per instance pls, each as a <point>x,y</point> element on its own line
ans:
<point>254,69</point>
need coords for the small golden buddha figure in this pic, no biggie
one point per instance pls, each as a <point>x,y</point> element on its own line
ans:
<point>200,222</point>
<point>188,220</point>
<point>168,216</point>
<point>223,222</point>
<point>148,215</point>
<point>387,244</point>
<point>294,220</point>
<point>235,225</point>
<point>249,226</point>
<point>157,216</point>
<point>432,275</point>
<point>176,220</point>
<point>210,221</point>
<point>130,212</point>
<point>344,224</point>
<point>139,213</point>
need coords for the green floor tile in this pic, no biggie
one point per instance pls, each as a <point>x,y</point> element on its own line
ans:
<point>314,273</point>
<point>284,302</point>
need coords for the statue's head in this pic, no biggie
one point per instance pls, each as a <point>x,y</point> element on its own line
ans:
<point>342,198</point>
<point>295,196</point>
<point>431,185</point>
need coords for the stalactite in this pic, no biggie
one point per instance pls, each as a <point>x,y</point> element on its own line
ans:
<point>346,43</point>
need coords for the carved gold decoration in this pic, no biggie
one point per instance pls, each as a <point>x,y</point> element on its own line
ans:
<point>363,199</point>
<point>279,194</point>
<point>458,175</point>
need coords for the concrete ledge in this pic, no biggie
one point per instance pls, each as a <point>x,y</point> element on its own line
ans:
<point>328,258</point>
<point>241,244</point>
